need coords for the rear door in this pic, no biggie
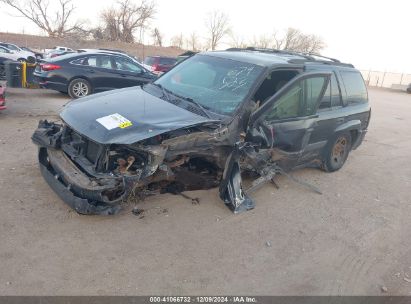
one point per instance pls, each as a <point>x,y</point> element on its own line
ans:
<point>288,119</point>
<point>99,70</point>
<point>330,116</point>
<point>128,73</point>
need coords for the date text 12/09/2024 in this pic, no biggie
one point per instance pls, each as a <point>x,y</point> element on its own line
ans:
<point>209,299</point>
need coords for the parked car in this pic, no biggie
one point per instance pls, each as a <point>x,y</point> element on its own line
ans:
<point>409,88</point>
<point>21,54</point>
<point>9,55</point>
<point>3,67</point>
<point>185,55</point>
<point>81,74</point>
<point>2,97</point>
<point>159,64</point>
<point>38,55</point>
<point>57,51</point>
<point>213,117</point>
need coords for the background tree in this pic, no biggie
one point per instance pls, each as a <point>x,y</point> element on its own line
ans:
<point>157,37</point>
<point>193,42</point>
<point>237,41</point>
<point>295,40</point>
<point>177,41</point>
<point>56,24</point>
<point>121,22</point>
<point>218,26</point>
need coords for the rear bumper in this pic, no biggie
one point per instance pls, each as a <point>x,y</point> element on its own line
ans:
<point>46,83</point>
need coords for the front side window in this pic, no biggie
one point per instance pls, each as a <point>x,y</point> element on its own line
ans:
<point>217,84</point>
<point>301,99</point>
<point>126,65</point>
<point>2,50</point>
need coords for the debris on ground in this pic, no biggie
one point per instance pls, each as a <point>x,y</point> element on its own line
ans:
<point>407,280</point>
<point>268,244</point>
<point>384,289</point>
<point>137,211</point>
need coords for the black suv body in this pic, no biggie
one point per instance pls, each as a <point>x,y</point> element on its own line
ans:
<point>205,123</point>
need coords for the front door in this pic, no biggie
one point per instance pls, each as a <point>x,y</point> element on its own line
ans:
<point>288,119</point>
<point>128,73</point>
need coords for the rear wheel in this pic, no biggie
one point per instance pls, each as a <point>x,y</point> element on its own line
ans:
<point>79,88</point>
<point>337,152</point>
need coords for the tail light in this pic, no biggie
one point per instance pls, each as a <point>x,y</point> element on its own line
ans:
<point>156,68</point>
<point>49,67</point>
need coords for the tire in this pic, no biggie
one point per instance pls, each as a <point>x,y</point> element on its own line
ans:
<point>336,152</point>
<point>79,87</point>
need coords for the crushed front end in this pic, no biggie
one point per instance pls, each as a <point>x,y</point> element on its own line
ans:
<point>95,178</point>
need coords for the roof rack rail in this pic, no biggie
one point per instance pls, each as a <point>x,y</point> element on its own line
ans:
<point>307,56</point>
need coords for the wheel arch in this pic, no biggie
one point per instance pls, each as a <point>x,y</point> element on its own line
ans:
<point>81,77</point>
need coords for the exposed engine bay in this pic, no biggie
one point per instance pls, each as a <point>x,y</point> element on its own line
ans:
<point>102,176</point>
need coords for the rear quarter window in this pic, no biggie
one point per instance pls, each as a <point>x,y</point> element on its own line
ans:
<point>354,87</point>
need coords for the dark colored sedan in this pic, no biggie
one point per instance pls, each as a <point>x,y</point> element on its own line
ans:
<point>82,74</point>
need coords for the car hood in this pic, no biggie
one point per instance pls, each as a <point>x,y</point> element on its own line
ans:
<point>126,116</point>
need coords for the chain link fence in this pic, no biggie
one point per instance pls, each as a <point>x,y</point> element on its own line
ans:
<point>397,81</point>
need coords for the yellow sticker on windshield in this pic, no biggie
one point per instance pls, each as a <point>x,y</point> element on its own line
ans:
<point>125,124</point>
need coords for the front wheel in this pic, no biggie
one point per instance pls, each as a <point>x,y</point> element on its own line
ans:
<point>337,152</point>
<point>79,88</point>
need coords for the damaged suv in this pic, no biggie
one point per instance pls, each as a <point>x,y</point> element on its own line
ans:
<point>206,123</point>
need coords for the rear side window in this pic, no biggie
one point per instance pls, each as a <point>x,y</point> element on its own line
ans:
<point>12,47</point>
<point>167,61</point>
<point>354,87</point>
<point>99,62</point>
<point>332,96</point>
<point>78,61</point>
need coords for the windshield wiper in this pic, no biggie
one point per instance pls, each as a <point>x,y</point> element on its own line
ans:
<point>166,94</point>
<point>201,107</point>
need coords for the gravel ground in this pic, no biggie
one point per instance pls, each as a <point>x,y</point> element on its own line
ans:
<point>352,240</point>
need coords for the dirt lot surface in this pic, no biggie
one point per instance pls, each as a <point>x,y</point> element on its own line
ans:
<point>352,240</point>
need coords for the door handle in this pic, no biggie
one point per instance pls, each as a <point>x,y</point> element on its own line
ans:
<point>91,71</point>
<point>123,75</point>
<point>341,119</point>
